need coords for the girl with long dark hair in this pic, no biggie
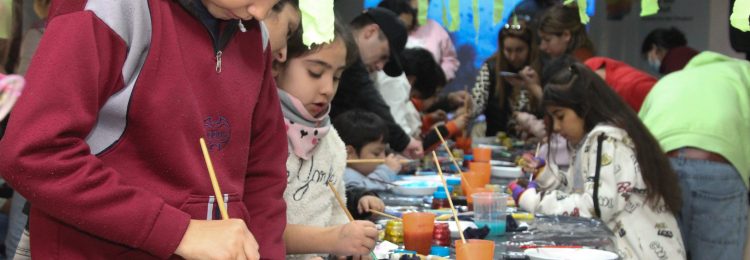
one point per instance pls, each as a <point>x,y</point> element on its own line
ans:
<point>618,174</point>
<point>499,90</point>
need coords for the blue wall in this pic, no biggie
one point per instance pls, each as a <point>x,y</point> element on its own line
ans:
<point>472,50</point>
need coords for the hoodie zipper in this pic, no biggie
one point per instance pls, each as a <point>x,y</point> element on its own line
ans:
<point>218,62</point>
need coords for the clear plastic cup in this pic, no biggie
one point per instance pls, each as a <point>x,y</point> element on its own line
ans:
<point>489,210</point>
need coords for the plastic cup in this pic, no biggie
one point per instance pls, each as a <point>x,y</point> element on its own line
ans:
<point>489,210</point>
<point>484,171</point>
<point>475,249</point>
<point>418,227</point>
<point>482,154</point>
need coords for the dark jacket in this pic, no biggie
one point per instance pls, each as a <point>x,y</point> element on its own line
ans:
<point>357,91</point>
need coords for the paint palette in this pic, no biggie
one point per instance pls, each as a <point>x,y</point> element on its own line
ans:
<point>415,187</point>
<point>508,172</point>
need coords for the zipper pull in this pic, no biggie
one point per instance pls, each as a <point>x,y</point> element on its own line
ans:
<point>242,26</point>
<point>218,62</point>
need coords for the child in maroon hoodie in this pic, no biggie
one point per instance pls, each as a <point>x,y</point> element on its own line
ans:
<point>104,142</point>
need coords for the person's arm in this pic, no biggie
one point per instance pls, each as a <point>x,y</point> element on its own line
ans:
<point>355,238</point>
<point>77,67</point>
<point>384,173</point>
<point>397,138</point>
<point>395,92</point>
<point>266,170</point>
<point>449,60</point>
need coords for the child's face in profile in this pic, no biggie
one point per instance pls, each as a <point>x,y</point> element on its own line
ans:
<point>567,123</point>
<point>554,45</point>
<point>314,78</point>
<point>239,9</point>
<point>281,25</point>
<point>373,150</point>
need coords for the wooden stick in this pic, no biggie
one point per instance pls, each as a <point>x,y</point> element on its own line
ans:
<point>450,155</point>
<point>341,201</point>
<point>375,161</point>
<point>343,207</point>
<point>214,182</point>
<point>384,214</point>
<point>383,182</point>
<point>450,201</point>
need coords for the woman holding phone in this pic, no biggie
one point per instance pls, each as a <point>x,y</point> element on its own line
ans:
<point>499,91</point>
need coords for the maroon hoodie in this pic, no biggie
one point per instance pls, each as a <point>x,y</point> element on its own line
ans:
<point>104,140</point>
<point>676,59</point>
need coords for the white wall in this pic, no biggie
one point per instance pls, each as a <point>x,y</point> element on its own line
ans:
<point>704,22</point>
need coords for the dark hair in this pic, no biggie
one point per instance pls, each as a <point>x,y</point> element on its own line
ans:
<point>666,38</point>
<point>522,32</point>
<point>359,128</point>
<point>560,18</point>
<point>400,7</point>
<point>420,63</point>
<point>581,90</point>
<point>360,22</point>
<point>296,48</point>
<point>280,5</point>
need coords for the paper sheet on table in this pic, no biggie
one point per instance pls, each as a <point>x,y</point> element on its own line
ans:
<point>317,21</point>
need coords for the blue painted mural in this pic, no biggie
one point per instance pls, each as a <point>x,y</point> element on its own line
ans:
<point>473,47</point>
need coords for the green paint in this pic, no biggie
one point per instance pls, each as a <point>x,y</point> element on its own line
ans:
<point>740,17</point>
<point>317,21</point>
<point>422,15</point>
<point>497,11</point>
<point>649,7</point>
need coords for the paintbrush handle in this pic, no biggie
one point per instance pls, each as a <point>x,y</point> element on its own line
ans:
<point>403,161</point>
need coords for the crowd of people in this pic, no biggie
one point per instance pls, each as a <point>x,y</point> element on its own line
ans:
<point>102,159</point>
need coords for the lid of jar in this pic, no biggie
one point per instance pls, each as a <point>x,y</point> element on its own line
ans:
<point>439,194</point>
<point>440,251</point>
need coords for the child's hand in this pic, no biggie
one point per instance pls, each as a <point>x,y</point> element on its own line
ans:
<point>461,121</point>
<point>218,239</point>
<point>393,162</point>
<point>529,75</point>
<point>438,116</point>
<point>369,202</point>
<point>356,238</point>
<point>457,98</point>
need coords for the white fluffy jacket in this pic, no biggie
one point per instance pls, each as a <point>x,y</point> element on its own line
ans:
<point>309,200</point>
<point>641,231</point>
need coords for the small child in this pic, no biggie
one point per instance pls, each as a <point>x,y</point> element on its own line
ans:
<point>364,134</point>
<point>426,78</point>
<point>307,82</point>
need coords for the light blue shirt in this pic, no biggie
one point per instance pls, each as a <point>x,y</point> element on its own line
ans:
<point>370,182</point>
